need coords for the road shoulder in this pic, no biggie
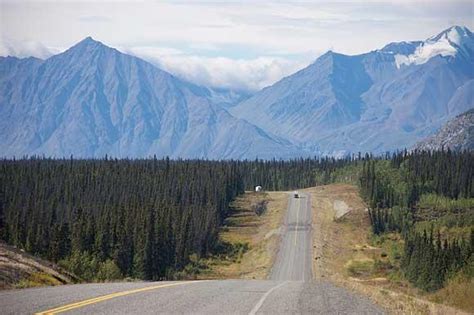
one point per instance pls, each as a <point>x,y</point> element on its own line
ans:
<point>255,235</point>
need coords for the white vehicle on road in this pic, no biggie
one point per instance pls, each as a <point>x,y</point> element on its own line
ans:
<point>296,194</point>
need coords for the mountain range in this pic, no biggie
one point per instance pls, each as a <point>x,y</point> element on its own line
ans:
<point>93,100</point>
<point>379,101</point>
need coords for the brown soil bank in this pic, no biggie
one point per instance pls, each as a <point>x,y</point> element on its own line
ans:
<point>19,270</point>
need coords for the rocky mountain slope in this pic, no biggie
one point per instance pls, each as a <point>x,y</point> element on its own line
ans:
<point>457,134</point>
<point>93,100</point>
<point>378,101</point>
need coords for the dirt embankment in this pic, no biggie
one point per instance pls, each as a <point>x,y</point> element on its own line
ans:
<point>342,252</point>
<point>19,269</point>
<point>340,228</point>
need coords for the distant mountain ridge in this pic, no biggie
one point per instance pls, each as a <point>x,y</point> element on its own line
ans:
<point>379,101</point>
<point>457,134</point>
<point>93,100</point>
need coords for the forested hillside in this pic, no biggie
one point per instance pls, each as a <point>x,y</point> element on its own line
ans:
<point>106,219</point>
<point>427,197</point>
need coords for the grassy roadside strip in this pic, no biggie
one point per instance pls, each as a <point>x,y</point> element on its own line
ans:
<point>346,253</point>
<point>249,241</point>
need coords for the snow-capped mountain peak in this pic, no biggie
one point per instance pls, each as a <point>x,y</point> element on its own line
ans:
<point>454,35</point>
<point>446,43</point>
<point>363,103</point>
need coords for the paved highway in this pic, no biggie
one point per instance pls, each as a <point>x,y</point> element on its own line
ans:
<point>289,290</point>
<point>293,261</point>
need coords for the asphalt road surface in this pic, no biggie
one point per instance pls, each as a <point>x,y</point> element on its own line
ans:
<point>293,261</point>
<point>289,290</point>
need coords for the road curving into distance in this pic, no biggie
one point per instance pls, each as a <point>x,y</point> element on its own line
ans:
<point>289,290</point>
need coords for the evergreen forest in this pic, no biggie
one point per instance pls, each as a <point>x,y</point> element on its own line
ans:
<point>427,197</point>
<point>108,219</point>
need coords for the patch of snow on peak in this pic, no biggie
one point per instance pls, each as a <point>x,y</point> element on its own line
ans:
<point>444,44</point>
<point>454,37</point>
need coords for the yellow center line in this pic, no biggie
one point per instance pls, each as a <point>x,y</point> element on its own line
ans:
<point>72,306</point>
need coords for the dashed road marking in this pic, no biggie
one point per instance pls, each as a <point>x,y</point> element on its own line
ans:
<point>262,299</point>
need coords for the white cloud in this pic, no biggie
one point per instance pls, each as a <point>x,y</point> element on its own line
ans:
<point>251,74</point>
<point>221,72</point>
<point>22,49</point>
<point>244,44</point>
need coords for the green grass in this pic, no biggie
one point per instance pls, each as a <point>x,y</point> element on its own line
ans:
<point>391,245</point>
<point>440,203</point>
<point>458,291</point>
<point>360,268</point>
<point>37,279</point>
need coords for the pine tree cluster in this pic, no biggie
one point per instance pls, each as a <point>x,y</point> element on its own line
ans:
<point>393,185</point>
<point>428,263</point>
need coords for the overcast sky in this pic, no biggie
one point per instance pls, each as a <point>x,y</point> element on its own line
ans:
<point>241,45</point>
